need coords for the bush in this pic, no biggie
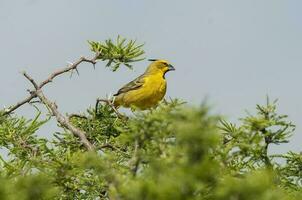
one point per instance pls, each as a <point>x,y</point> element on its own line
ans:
<point>175,151</point>
<point>172,152</point>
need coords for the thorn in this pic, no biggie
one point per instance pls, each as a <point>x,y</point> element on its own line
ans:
<point>109,96</point>
<point>69,63</point>
<point>77,71</point>
<point>55,104</point>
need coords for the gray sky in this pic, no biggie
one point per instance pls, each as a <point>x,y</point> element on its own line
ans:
<point>235,52</point>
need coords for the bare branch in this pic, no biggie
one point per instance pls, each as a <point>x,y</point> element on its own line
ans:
<point>50,79</point>
<point>64,121</point>
<point>33,102</point>
<point>27,100</point>
<point>69,68</point>
<point>31,80</point>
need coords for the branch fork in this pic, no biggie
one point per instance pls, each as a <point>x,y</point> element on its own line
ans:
<point>37,93</point>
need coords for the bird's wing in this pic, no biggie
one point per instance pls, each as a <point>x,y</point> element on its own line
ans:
<point>133,85</point>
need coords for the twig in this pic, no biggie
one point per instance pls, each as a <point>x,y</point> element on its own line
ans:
<point>50,79</point>
<point>109,102</point>
<point>136,158</point>
<point>15,107</point>
<point>77,116</point>
<point>33,102</point>
<point>31,80</point>
<point>113,148</point>
<point>37,93</point>
<point>69,68</point>
<point>33,150</point>
<point>107,146</point>
<point>63,121</point>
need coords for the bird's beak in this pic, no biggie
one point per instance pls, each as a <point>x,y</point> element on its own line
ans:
<point>170,67</point>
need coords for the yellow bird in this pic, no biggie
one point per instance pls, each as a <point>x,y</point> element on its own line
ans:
<point>146,90</point>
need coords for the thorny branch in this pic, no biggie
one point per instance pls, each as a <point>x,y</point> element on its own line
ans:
<point>71,67</point>
<point>65,121</point>
<point>37,93</point>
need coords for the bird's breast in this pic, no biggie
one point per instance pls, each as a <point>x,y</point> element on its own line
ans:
<point>152,91</point>
<point>156,86</point>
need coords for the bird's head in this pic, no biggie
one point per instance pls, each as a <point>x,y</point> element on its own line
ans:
<point>159,66</point>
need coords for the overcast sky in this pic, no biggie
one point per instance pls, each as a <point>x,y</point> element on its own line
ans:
<point>234,52</point>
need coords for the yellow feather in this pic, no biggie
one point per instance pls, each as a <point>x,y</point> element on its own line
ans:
<point>147,90</point>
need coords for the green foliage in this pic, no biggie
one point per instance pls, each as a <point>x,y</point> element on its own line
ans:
<point>171,152</point>
<point>122,52</point>
<point>257,185</point>
<point>291,173</point>
<point>28,188</point>
<point>247,145</point>
<point>175,151</point>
